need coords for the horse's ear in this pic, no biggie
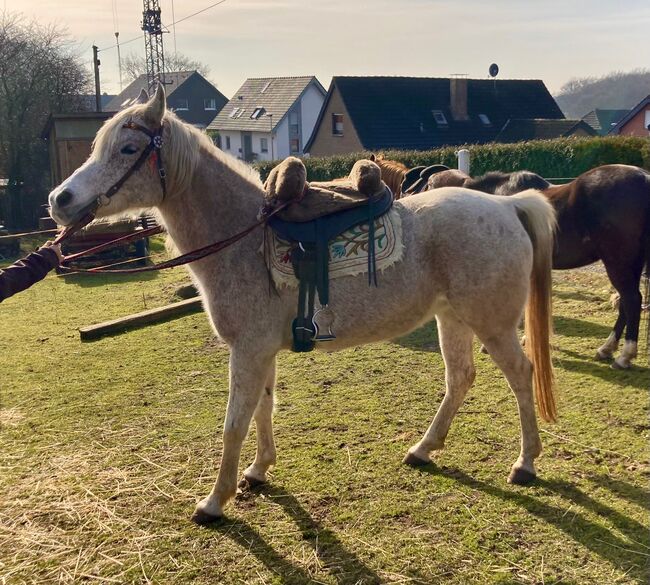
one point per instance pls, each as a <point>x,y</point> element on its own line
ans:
<point>156,107</point>
<point>143,98</point>
<point>372,157</point>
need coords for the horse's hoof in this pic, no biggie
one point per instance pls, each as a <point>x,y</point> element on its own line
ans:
<point>618,366</point>
<point>520,476</point>
<point>414,461</point>
<point>603,357</point>
<point>202,518</point>
<point>250,482</point>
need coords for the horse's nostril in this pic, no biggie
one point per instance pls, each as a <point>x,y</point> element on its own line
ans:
<point>63,198</point>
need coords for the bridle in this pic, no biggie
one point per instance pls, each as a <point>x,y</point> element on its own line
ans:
<point>153,150</point>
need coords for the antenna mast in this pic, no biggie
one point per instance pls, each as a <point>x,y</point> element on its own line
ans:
<point>153,43</point>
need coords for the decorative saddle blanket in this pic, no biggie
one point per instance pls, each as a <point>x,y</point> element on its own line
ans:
<point>348,252</point>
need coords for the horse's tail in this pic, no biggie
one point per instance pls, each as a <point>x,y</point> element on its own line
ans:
<point>538,218</point>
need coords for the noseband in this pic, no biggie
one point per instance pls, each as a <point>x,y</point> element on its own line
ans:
<point>153,149</point>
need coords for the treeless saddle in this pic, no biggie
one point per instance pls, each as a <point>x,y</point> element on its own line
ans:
<point>415,180</point>
<point>320,212</point>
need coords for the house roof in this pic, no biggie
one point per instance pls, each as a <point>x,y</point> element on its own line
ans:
<point>275,95</point>
<point>516,130</point>
<point>602,121</point>
<point>173,81</point>
<point>397,112</point>
<point>633,112</point>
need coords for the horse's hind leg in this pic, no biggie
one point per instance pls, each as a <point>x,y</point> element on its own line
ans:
<point>507,353</point>
<point>456,345</point>
<point>255,474</point>
<point>248,373</point>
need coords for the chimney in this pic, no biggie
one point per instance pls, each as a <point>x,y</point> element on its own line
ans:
<point>458,95</point>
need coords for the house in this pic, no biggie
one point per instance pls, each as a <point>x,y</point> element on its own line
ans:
<point>374,113</point>
<point>269,118</point>
<point>636,122</point>
<point>602,121</point>
<point>190,95</point>
<point>518,130</point>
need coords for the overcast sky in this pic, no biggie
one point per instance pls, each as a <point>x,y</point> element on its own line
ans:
<point>553,40</point>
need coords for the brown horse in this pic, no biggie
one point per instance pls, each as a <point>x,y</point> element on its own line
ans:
<point>392,173</point>
<point>604,214</point>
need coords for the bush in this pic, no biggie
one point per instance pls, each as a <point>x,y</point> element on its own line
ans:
<point>563,157</point>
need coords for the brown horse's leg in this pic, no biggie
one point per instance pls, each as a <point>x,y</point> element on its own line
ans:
<point>606,351</point>
<point>626,278</point>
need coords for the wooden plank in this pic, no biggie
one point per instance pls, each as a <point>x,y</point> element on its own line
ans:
<point>139,319</point>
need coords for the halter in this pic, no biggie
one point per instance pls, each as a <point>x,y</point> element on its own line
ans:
<point>152,149</point>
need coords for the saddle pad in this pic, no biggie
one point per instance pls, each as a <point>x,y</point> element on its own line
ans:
<point>348,251</point>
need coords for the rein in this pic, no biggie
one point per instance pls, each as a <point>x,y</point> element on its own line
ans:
<point>153,148</point>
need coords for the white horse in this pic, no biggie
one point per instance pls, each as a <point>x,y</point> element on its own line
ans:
<point>465,252</point>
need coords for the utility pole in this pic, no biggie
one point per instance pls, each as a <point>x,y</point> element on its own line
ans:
<point>119,57</point>
<point>98,95</point>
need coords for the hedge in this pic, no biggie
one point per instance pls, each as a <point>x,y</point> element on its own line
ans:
<point>563,157</point>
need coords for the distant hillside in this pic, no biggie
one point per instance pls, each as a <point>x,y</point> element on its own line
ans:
<point>614,91</point>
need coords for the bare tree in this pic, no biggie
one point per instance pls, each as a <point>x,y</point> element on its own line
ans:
<point>135,65</point>
<point>39,74</point>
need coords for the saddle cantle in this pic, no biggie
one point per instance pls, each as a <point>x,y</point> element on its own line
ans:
<point>320,212</point>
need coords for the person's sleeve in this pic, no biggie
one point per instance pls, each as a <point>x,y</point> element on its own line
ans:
<point>26,272</point>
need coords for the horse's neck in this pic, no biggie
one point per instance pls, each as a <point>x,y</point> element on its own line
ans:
<point>219,203</point>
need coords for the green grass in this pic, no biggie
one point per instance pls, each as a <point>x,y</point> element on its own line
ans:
<point>106,446</point>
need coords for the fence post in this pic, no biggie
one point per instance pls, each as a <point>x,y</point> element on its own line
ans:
<point>463,160</point>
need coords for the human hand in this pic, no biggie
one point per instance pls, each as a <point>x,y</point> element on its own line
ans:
<point>55,247</point>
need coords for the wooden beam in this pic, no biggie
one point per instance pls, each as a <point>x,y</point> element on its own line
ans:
<point>139,319</point>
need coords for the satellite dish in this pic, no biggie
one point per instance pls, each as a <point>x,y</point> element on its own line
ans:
<point>494,70</point>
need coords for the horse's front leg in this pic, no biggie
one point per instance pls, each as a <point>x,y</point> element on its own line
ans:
<point>248,373</point>
<point>255,474</point>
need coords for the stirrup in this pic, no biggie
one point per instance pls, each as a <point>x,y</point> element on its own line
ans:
<point>326,317</point>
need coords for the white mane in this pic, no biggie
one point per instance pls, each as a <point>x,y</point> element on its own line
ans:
<point>181,151</point>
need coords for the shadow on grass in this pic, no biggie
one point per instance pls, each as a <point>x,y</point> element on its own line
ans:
<point>622,489</point>
<point>570,327</point>
<point>595,537</point>
<point>86,280</point>
<point>578,296</point>
<point>342,564</point>
<point>636,377</point>
<point>424,339</point>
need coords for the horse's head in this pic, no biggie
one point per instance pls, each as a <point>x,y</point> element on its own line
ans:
<point>120,144</point>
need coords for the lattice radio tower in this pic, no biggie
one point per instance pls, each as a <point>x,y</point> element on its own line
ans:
<point>153,44</point>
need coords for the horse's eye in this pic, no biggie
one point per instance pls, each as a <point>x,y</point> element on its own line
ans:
<point>129,149</point>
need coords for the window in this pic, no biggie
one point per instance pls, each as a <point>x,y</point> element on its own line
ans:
<point>484,120</point>
<point>439,117</point>
<point>210,104</point>
<point>264,144</point>
<point>337,124</point>
<point>266,86</point>
<point>647,119</point>
<point>294,124</point>
<point>257,112</point>
<point>181,104</point>
<point>294,145</point>
<point>227,142</point>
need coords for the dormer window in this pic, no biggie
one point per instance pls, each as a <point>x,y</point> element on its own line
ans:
<point>439,117</point>
<point>266,86</point>
<point>234,113</point>
<point>484,120</point>
<point>257,112</point>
